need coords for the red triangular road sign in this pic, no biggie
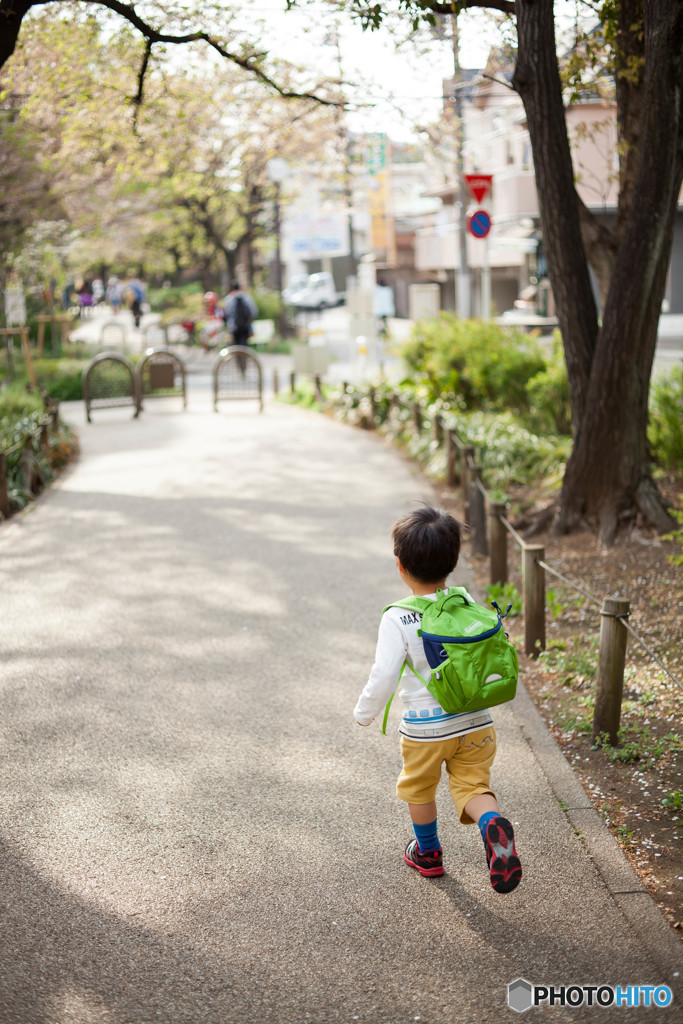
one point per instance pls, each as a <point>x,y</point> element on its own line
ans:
<point>478,184</point>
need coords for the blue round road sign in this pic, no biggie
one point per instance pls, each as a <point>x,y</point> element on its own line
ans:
<point>479,224</point>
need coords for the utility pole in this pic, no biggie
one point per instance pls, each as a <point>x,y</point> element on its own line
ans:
<point>343,135</point>
<point>463,276</point>
<point>277,170</point>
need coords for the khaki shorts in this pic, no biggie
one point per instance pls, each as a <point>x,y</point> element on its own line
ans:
<point>468,761</point>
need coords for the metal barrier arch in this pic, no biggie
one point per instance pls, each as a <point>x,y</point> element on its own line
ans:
<point>161,374</point>
<point>113,335</point>
<point>154,336</point>
<point>237,374</point>
<point>109,381</point>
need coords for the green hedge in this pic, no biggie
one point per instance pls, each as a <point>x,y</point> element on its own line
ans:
<point>666,420</point>
<point>507,452</point>
<point>476,364</point>
<point>61,378</point>
<point>175,297</point>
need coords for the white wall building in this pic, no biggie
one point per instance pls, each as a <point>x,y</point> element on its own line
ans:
<point>496,142</point>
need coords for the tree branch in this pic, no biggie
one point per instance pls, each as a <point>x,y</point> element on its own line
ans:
<point>153,35</point>
<point>12,13</point>
<point>137,100</point>
<point>504,6</point>
<point>499,81</point>
<point>600,245</point>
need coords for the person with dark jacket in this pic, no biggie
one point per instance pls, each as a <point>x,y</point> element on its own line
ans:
<point>239,310</point>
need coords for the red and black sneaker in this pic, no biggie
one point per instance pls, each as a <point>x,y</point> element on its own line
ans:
<point>501,856</point>
<point>429,863</point>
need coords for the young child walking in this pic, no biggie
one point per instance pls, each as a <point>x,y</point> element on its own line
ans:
<point>427,547</point>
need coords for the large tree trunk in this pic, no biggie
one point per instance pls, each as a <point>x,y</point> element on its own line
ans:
<point>12,13</point>
<point>537,80</point>
<point>608,475</point>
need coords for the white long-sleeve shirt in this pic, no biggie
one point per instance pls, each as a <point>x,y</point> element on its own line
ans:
<point>423,718</point>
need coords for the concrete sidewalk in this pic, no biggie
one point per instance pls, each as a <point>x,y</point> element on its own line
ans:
<point>193,829</point>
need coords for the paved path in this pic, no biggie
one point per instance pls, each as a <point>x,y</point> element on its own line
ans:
<point>193,830</point>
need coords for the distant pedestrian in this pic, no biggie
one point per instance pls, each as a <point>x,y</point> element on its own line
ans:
<point>427,547</point>
<point>97,291</point>
<point>69,295</point>
<point>239,311</point>
<point>210,303</point>
<point>114,294</point>
<point>85,300</point>
<point>134,293</point>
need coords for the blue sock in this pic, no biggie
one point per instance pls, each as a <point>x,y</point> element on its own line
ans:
<point>484,820</point>
<point>427,837</point>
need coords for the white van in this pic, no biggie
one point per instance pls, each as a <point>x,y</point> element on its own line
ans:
<point>318,292</point>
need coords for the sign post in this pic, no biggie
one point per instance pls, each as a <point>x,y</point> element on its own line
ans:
<point>479,225</point>
<point>486,283</point>
<point>479,185</point>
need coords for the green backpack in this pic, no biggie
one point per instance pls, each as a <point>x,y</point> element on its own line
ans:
<point>473,663</point>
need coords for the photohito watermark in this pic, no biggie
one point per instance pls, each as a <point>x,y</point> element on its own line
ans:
<point>522,995</point>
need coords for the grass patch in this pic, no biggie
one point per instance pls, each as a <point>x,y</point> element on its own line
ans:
<point>575,660</point>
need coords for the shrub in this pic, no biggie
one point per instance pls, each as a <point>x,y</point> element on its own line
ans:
<point>665,429</point>
<point>21,415</point>
<point>505,594</point>
<point>477,363</point>
<point>173,297</point>
<point>677,536</point>
<point>510,454</point>
<point>16,404</point>
<point>267,303</point>
<point>61,378</point>
<point>304,395</point>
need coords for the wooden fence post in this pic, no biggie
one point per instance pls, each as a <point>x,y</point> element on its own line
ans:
<point>318,386</point>
<point>6,333</point>
<point>65,321</point>
<point>276,382</point>
<point>373,407</point>
<point>292,382</point>
<point>611,660</point>
<point>417,416</point>
<point>533,577</point>
<point>42,320</point>
<point>44,440</point>
<point>30,470</point>
<point>4,496</point>
<point>477,512</point>
<point>54,417</point>
<point>467,454</point>
<point>438,429</point>
<point>498,542</point>
<point>451,458</point>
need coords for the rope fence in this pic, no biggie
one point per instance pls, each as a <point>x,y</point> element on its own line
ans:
<point>489,529</point>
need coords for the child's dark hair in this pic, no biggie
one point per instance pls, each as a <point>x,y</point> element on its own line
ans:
<point>427,543</point>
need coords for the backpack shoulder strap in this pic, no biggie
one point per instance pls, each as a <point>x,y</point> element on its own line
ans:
<point>416,603</point>
<point>413,604</point>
